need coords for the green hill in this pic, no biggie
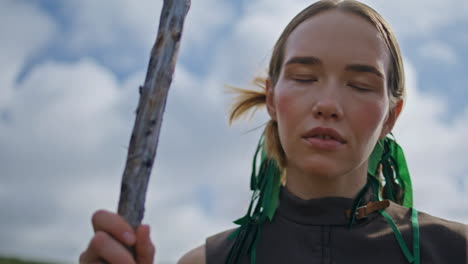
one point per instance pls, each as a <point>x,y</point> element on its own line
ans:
<point>4,260</point>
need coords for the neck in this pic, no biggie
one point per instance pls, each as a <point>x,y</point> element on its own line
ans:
<point>307,186</point>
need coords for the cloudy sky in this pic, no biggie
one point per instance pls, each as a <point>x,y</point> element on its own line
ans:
<point>68,91</point>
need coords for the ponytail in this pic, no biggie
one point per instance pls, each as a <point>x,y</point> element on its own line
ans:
<point>252,100</point>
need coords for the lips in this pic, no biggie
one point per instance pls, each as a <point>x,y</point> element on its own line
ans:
<point>324,133</point>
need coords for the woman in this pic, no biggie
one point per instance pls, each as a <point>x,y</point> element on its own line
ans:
<point>334,91</point>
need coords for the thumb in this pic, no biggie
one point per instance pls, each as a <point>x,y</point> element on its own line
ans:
<point>144,247</point>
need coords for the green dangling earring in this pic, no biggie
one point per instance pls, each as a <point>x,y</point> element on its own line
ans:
<point>389,155</point>
<point>398,188</point>
<point>265,185</point>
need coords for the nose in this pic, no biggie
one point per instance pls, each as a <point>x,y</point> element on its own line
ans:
<point>327,108</point>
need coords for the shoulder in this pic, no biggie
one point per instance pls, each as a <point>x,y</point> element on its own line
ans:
<point>442,228</point>
<point>194,256</point>
<point>219,239</point>
<point>218,247</point>
<point>441,240</point>
<point>215,250</point>
<point>431,225</point>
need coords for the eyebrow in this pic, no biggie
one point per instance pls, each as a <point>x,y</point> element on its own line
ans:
<point>364,68</point>
<point>310,60</point>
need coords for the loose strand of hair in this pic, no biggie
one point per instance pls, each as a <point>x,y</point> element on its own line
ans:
<point>246,100</point>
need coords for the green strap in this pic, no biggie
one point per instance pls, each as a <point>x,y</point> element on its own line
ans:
<point>375,158</point>
<point>388,175</point>
<point>412,258</point>
<point>403,174</point>
<point>272,190</point>
<point>398,237</point>
<point>253,253</point>
<point>415,224</point>
<point>253,176</point>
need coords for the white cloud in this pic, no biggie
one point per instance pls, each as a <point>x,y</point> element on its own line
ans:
<point>25,30</point>
<point>57,99</point>
<point>252,36</point>
<point>421,17</point>
<point>462,38</point>
<point>204,19</point>
<point>63,131</point>
<point>102,23</point>
<point>407,18</point>
<point>120,32</point>
<point>439,52</point>
<point>434,151</point>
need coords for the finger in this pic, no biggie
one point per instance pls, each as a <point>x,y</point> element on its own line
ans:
<point>144,247</point>
<point>114,225</point>
<point>104,247</point>
<point>88,257</point>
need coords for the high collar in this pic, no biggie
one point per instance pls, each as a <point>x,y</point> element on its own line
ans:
<point>321,211</point>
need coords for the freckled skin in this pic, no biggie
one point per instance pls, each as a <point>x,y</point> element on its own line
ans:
<point>329,95</point>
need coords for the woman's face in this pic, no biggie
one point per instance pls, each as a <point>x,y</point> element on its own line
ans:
<point>331,100</point>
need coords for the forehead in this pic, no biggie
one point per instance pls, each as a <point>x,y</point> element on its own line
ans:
<point>338,38</point>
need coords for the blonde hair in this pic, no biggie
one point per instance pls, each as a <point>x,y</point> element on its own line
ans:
<point>248,100</point>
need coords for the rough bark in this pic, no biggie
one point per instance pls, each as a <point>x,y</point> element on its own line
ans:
<point>149,114</point>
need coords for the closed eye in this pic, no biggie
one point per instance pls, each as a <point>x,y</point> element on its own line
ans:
<point>304,79</point>
<point>360,88</point>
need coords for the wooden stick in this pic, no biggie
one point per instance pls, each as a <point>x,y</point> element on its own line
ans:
<point>149,114</point>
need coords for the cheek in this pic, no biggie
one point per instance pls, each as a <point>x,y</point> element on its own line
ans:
<point>289,113</point>
<point>370,118</point>
<point>284,105</point>
<point>289,108</point>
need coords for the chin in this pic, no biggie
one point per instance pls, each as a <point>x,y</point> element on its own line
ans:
<point>321,169</point>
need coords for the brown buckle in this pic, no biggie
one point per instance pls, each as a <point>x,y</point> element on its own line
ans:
<point>369,208</point>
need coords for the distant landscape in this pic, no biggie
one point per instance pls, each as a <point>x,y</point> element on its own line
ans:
<point>13,260</point>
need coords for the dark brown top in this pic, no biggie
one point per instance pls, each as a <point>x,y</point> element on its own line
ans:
<point>315,231</point>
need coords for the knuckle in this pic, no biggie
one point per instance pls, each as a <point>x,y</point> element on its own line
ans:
<point>151,249</point>
<point>82,258</point>
<point>98,241</point>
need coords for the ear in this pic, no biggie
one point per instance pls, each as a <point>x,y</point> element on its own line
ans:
<point>270,102</point>
<point>391,119</point>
